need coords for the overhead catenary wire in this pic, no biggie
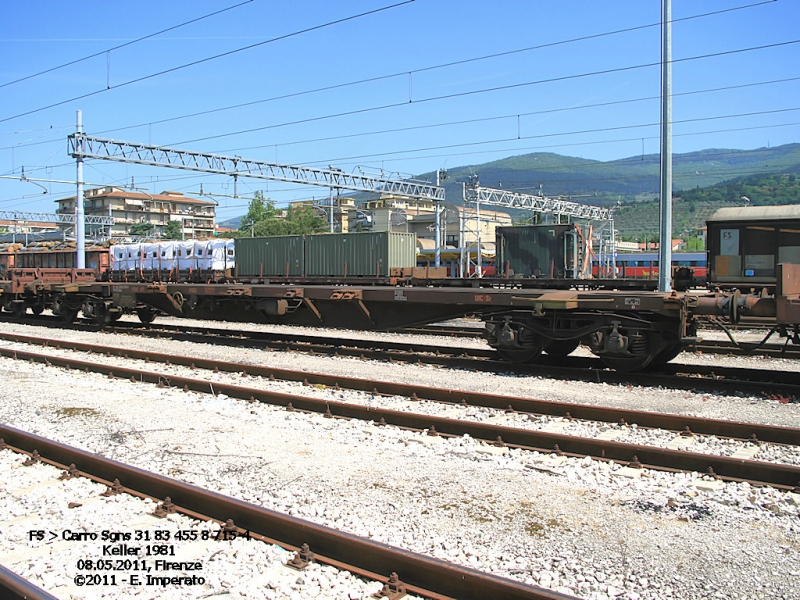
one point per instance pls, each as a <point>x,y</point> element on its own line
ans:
<point>550,135</point>
<point>382,156</point>
<point>209,58</point>
<point>120,46</point>
<point>556,109</point>
<point>409,72</point>
<point>590,143</point>
<point>490,89</point>
<point>451,123</point>
<point>501,117</point>
<point>597,165</point>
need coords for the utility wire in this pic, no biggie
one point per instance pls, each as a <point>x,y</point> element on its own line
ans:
<point>571,144</point>
<point>551,135</point>
<point>136,41</point>
<point>501,117</point>
<point>487,90</point>
<point>429,68</point>
<point>209,58</point>
<point>596,165</point>
<point>461,122</point>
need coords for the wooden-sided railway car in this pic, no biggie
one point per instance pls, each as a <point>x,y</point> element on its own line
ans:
<point>746,245</point>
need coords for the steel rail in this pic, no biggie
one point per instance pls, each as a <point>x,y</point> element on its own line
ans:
<point>14,587</point>
<point>713,378</point>
<point>777,350</point>
<point>674,422</point>
<point>422,575</point>
<point>774,474</point>
<point>708,378</point>
<point>746,379</point>
<point>784,350</point>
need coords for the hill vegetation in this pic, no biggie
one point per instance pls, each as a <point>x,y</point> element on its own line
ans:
<point>629,179</point>
<point>703,182</point>
<point>690,209</point>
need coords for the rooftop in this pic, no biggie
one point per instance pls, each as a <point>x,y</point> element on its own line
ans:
<point>165,196</point>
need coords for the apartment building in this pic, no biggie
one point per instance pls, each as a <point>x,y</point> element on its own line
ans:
<point>127,208</point>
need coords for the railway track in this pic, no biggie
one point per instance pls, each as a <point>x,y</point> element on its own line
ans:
<point>234,520</point>
<point>777,384</point>
<point>14,587</point>
<point>776,350</point>
<point>505,429</point>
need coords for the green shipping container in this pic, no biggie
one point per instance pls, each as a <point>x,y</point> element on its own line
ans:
<point>274,256</point>
<point>359,254</point>
<point>547,251</point>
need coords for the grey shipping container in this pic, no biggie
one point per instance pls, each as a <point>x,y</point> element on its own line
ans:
<point>359,254</point>
<point>274,256</point>
<point>548,251</point>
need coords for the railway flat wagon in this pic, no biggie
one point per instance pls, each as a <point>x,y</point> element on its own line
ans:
<point>53,255</point>
<point>746,245</point>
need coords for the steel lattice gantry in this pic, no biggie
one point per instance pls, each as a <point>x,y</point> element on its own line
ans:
<point>535,203</point>
<point>15,215</point>
<point>84,146</point>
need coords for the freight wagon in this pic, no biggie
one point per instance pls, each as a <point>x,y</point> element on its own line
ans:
<point>746,244</point>
<point>628,329</point>
<point>52,255</point>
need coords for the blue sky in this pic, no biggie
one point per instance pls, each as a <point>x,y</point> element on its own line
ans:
<point>415,116</point>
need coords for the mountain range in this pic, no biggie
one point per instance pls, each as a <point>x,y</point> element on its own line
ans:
<point>709,178</point>
<point>626,179</point>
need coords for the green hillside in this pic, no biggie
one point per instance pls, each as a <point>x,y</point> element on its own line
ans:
<point>624,179</point>
<point>691,208</point>
<point>703,182</point>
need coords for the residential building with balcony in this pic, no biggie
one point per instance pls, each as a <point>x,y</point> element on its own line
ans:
<point>126,208</point>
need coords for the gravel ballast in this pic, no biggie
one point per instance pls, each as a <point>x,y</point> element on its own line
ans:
<point>576,526</point>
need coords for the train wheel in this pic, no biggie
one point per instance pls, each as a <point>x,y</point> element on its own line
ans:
<point>69,315</point>
<point>561,348</point>
<point>37,309</point>
<point>63,311</point>
<point>523,355</point>
<point>146,315</point>
<point>666,355</point>
<point>18,308</point>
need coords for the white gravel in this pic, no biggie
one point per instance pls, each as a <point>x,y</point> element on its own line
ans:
<point>34,499</point>
<point>577,526</point>
<point>630,433</point>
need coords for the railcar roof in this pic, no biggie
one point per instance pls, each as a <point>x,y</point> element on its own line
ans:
<point>756,213</point>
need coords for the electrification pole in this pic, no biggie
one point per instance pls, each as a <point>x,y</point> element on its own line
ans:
<point>665,246</point>
<point>441,175</point>
<point>463,269</point>
<point>330,213</point>
<point>80,229</point>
